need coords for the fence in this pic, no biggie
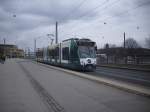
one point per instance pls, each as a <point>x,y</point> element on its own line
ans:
<point>103,59</point>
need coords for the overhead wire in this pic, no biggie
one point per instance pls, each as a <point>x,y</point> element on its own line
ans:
<point>75,8</point>
<point>138,6</point>
<point>103,8</point>
<point>98,6</point>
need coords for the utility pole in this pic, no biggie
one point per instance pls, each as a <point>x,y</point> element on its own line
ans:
<point>28,52</point>
<point>124,39</point>
<point>35,47</point>
<point>124,48</point>
<point>4,47</point>
<point>56,33</point>
<point>0,41</point>
<point>4,41</point>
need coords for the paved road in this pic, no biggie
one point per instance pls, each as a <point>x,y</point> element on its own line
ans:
<point>29,87</point>
<point>133,76</point>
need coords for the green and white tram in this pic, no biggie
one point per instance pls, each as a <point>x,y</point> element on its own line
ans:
<point>74,53</point>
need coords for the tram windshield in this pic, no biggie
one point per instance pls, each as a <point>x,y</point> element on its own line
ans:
<point>87,52</point>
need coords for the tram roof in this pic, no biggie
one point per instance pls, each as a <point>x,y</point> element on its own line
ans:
<point>70,39</point>
<point>82,39</point>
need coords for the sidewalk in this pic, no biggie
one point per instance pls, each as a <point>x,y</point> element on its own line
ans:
<point>16,92</point>
<point>133,88</point>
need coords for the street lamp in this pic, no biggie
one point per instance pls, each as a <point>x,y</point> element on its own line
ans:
<point>35,45</point>
<point>14,15</point>
<point>50,35</point>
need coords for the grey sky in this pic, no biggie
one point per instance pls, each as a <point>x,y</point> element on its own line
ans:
<point>83,18</point>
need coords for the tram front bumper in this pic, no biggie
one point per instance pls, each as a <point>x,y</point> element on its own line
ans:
<point>89,67</point>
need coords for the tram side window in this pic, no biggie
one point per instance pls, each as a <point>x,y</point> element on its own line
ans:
<point>65,53</point>
<point>50,53</point>
<point>53,53</point>
<point>57,52</point>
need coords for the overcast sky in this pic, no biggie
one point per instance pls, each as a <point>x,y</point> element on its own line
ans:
<point>103,21</point>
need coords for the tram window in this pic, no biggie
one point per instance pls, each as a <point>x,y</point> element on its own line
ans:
<point>50,52</point>
<point>73,53</point>
<point>57,51</point>
<point>65,53</point>
<point>53,53</point>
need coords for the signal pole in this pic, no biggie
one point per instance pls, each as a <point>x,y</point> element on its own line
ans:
<point>124,39</point>
<point>35,47</point>
<point>56,33</point>
<point>4,53</point>
<point>4,41</point>
<point>124,35</point>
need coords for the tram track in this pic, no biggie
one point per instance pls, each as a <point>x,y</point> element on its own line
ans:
<point>131,76</point>
<point>48,100</point>
<point>137,77</point>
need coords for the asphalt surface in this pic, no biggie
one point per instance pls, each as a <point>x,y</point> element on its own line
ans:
<point>30,87</point>
<point>132,76</point>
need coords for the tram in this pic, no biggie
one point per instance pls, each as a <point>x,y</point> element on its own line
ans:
<point>74,53</point>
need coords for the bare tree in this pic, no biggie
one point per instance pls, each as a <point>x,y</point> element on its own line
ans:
<point>131,43</point>
<point>106,46</point>
<point>112,45</point>
<point>147,41</point>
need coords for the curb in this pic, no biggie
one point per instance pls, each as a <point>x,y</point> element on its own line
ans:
<point>132,88</point>
<point>144,70</point>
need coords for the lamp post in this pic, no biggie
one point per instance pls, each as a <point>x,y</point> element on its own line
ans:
<point>35,39</point>
<point>35,48</point>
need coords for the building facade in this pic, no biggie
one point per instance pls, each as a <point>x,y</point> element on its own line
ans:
<point>11,51</point>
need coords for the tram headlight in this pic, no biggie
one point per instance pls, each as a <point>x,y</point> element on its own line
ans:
<point>89,61</point>
<point>82,62</point>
